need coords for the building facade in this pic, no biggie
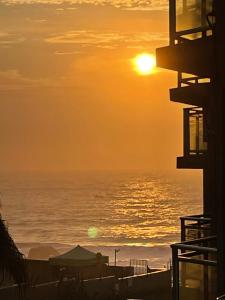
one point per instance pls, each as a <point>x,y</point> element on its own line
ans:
<point>196,52</point>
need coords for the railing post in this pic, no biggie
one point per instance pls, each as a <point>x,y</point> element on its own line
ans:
<point>197,135</point>
<point>206,279</point>
<point>172,21</point>
<point>186,131</point>
<point>179,79</point>
<point>203,16</point>
<point>182,227</point>
<point>175,262</point>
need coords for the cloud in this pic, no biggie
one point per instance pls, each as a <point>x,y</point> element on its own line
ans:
<point>127,4</point>
<point>14,80</point>
<point>67,52</point>
<point>54,45</point>
<point>66,8</point>
<point>38,21</point>
<point>106,40</point>
<point>11,80</point>
<point>86,37</point>
<point>146,37</point>
<point>7,38</point>
<point>159,5</point>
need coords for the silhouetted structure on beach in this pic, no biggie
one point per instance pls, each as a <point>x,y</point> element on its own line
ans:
<point>197,53</point>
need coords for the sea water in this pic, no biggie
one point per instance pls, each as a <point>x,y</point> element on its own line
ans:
<point>136,212</point>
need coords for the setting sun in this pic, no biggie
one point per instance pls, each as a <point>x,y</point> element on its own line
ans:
<point>144,63</point>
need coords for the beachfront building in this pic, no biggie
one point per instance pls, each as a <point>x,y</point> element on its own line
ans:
<point>196,52</point>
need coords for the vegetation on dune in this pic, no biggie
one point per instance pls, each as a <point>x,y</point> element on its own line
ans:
<point>11,259</point>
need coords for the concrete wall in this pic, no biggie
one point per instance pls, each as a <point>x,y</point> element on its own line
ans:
<point>6,279</point>
<point>119,271</point>
<point>141,285</point>
<point>40,271</point>
<point>101,289</point>
<point>96,289</point>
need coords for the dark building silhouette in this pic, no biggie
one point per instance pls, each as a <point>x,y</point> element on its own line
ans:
<point>197,52</point>
<point>12,263</point>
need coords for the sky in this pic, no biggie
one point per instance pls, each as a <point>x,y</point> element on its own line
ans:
<point>70,98</point>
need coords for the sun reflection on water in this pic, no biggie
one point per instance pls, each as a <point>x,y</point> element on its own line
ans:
<point>103,209</point>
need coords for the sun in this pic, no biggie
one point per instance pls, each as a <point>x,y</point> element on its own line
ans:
<point>144,63</point>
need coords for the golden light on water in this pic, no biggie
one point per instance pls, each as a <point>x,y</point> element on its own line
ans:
<point>144,63</point>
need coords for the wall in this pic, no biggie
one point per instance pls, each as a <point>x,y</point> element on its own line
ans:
<point>40,271</point>
<point>97,289</point>
<point>141,285</point>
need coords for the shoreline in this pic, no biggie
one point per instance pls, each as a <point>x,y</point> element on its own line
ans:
<point>157,256</point>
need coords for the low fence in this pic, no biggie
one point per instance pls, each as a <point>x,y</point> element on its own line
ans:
<point>140,266</point>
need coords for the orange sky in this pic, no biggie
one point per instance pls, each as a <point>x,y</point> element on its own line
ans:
<point>70,98</point>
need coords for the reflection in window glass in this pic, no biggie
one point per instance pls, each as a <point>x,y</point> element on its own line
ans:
<point>192,13</point>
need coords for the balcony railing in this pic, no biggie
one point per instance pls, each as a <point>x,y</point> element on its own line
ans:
<point>194,132</point>
<point>194,269</point>
<point>190,80</point>
<point>190,19</point>
<point>195,227</point>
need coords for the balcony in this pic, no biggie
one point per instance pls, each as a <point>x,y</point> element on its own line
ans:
<point>190,20</point>
<point>191,40</point>
<point>192,90</point>
<point>195,260</point>
<point>195,227</point>
<point>194,269</point>
<point>195,145</point>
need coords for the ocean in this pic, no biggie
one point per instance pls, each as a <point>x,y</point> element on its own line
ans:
<point>136,212</point>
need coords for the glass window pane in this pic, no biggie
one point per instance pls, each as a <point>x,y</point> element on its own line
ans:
<point>192,14</point>
<point>194,128</point>
<point>197,280</point>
